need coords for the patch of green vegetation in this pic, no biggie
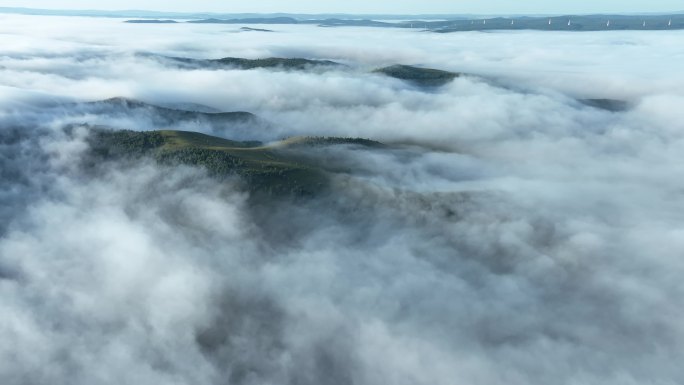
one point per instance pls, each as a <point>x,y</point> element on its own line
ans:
<point>328,141</point>
<point>182,139</point>
<point>274,62</point>
<point>264,168</point>
<point>426,77</point>
<point>297,64</point>
<point>108,144</point>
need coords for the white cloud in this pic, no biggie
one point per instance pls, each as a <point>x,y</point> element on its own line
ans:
<point>513,236</point>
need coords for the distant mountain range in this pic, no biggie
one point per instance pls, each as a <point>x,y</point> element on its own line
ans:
<point>288,18</point>
<point>546,23</point>
<point>210,15</point>
<point>562,23</point>
<point>430,22</point>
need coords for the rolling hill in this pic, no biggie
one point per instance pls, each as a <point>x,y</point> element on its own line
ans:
<point>426,77</point>
<point>280,168</point>
<point>173,114</point>
<point>290,64</point>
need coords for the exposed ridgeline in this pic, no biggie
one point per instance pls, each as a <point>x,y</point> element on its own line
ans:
<point>128,113</point>
<point>426,77</point>
<point>422,77</point>
<point>349,23</point>
<point>123,113</point>
<point>291,64</point>
<point>173,114</point>
<point>254,20</point>
<point>430,78</point>
<point>329,22</point>
<point>152,21</point>
<point>417,75</point>
<point>281,168</point>
<point>554,23</point>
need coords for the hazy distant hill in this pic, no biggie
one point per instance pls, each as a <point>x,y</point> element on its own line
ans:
<point>436,22</point>
<point>328,22</point>
<point>126,113</point>
<point>173,115</point>
<point>432,22</point>
<point>559,23</point>
<point>336,22</point>
<point>212,15</point>
<point>541,23</point>
<point>248,29</point>
<point>261,20</point>
<point>152,21</point>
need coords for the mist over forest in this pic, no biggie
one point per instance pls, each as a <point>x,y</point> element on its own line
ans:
<point>392,207</point>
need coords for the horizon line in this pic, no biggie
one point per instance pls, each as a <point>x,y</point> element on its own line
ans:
<point>187,13</point>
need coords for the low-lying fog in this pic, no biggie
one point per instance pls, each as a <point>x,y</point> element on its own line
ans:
<point>510,235</point>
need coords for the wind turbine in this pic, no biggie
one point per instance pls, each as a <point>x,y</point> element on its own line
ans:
<point>568,22</point>
<point>608,23</point>
<point>512,21</point>
<point>549,21</point>
<point>669,23</point>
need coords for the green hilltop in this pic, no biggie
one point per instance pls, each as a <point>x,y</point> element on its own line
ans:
<point>426,77</point>
<point>298,64</point>
<point>280,168</point>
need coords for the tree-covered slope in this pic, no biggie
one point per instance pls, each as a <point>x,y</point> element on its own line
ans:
<point>298,64</point>
<point>420,76</point>
<point>277,168</point>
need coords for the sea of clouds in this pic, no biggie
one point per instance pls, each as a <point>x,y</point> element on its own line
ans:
<point>510,234</point>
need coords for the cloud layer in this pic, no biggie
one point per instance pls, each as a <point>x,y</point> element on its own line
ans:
<point>511,235</point>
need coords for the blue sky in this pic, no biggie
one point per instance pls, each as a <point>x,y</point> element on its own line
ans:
<point>365,6</point>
